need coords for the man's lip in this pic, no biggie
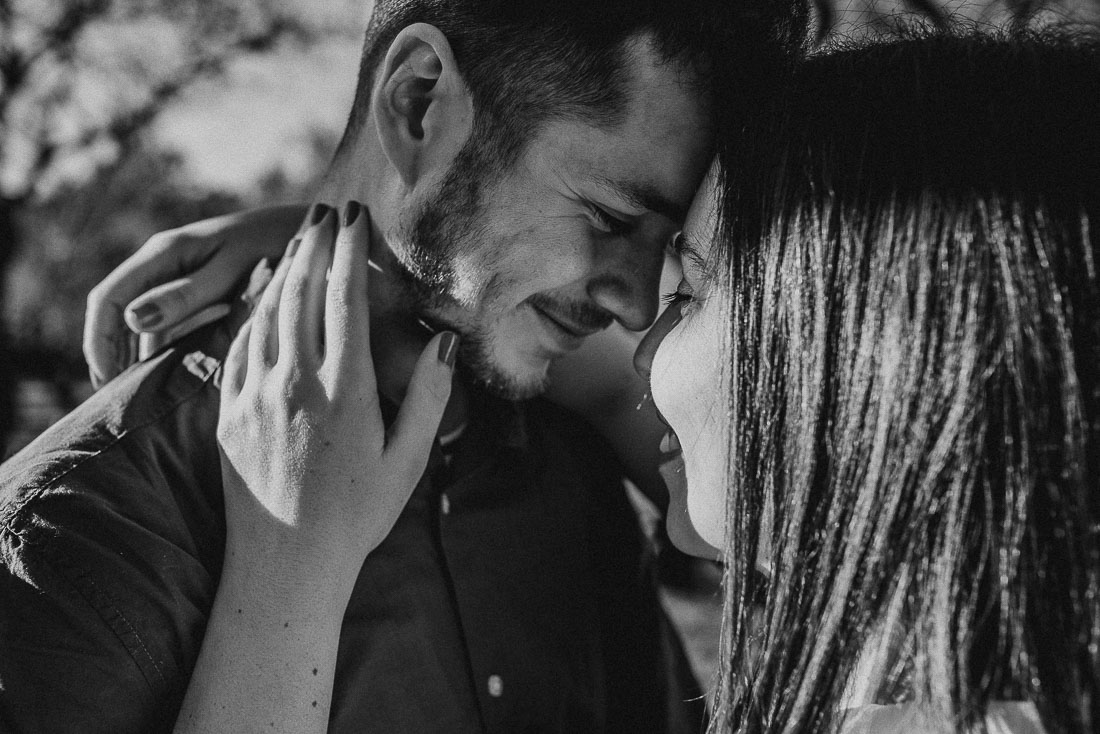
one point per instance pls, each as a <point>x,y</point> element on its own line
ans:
<point>567,326</point>
<point>661,417</point>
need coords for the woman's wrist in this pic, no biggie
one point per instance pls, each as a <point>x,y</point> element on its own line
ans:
<point>310,580</point>
<point>268,657</point>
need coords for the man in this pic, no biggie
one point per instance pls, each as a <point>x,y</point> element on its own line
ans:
<point>523,167</point>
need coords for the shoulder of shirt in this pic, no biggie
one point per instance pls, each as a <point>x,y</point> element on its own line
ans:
<point>142,399</point>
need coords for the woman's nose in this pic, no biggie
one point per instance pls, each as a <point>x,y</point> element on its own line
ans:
<point>643,357</point>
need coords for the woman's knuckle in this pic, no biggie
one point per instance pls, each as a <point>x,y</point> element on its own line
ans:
<point>178,298</point>
<point>255,402</point>
<point>162,241</point>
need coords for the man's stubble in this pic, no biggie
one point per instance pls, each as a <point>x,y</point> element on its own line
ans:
<point>447,228</point>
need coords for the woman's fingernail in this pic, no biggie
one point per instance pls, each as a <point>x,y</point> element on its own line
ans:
<point>448,348</point>
<point>351,212</point>
<point>147,315</point>
<point>292,247</point>
<point>318,213</point>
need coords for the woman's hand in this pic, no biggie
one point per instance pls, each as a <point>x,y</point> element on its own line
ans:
<point>311,477</point>
<point>313,483</point>
<point>167,283</point>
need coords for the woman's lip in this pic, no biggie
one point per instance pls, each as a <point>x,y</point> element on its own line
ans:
<point>661,417</point>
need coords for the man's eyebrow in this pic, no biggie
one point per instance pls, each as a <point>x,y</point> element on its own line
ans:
<point>645,196</point>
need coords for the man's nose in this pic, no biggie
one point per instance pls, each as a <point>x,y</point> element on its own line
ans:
<point>628,282</point>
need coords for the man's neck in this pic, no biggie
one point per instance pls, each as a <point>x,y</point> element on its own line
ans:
<point>398,335</point>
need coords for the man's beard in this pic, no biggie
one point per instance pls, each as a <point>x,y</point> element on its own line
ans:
<point>446,227</point>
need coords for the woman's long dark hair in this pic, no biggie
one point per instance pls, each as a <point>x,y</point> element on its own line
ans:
<point>913,232</point>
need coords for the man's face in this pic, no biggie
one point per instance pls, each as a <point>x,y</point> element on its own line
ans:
<point>569,239</point>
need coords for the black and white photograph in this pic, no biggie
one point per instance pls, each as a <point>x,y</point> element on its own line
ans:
<point>550,366</point>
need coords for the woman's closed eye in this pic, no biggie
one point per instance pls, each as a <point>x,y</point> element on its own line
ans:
<point>685,296</point>
<point>678,296</point>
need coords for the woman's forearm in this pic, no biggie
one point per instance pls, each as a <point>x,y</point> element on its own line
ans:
<point>268,658</point>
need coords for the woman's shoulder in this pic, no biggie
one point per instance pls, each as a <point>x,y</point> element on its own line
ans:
<point>1003,717</point>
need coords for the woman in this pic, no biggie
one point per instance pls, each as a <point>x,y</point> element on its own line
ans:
<point>903,276</point>
<point>880,370</point>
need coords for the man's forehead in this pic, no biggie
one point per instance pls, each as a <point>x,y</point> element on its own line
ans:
<point>651,159</point>
<point>642,194</point>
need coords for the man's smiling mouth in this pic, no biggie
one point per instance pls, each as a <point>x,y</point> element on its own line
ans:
<point>576,321</point>
<point>570,329</point>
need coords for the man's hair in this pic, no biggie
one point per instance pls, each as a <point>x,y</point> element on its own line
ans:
<point>528,62</point>
<point>911,235</point>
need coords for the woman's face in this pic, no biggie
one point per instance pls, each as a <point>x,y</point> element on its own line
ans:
<point>685,356</point>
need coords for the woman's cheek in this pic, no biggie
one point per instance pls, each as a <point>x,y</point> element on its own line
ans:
<point>691,390</point>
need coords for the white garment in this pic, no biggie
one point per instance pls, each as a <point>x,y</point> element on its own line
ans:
<point>1003,717</point>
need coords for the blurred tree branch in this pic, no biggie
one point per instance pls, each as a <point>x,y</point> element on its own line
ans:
<point>41,66</point>
<point>82,82</point>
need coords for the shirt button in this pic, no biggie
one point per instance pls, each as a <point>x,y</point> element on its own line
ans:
<point>496,686</point>
<point>445,504</point>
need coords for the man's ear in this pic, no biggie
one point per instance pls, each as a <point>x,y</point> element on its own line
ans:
<point>423,110</point>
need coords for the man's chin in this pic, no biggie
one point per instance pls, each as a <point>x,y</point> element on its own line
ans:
<point>511,387</point>
<point>508,382</point>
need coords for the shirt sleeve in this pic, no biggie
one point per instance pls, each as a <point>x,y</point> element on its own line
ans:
<point>112,529</point>
<point>64,666</point>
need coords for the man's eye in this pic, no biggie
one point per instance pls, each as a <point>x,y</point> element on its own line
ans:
<point>608,223</point>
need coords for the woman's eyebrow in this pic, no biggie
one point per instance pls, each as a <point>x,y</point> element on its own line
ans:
<point>685,249</point>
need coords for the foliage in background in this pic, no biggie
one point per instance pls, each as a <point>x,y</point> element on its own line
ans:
<point>82,183</point>
<point>82,82</point>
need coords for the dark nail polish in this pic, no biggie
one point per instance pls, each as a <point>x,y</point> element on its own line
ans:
<point>148,315</point>
<point>351,212</point>
<point>292,247</point>
<point>318,213</point>
<point>448,348</point>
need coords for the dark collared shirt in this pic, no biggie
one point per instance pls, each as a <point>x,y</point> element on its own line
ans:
<point>513,595</point>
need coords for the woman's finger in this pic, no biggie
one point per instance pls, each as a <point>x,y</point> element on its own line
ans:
<point>263,342</point>
<point>235,366</point>
<point>172,303</point>
<point>164,256</point>
<point>347,306</point>
<point>106,340</point>
<point>151,342</point>
<point>417,422</point>
<point>301,307</point>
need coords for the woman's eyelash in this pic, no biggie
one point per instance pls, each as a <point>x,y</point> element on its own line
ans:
<point>669,299</point>
<point>676,244</point>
